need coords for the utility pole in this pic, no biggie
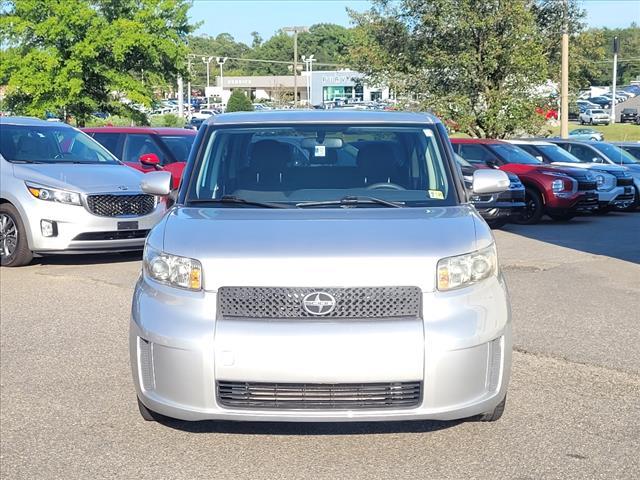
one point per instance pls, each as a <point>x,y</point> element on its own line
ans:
<point>180,97</point>
<point>189,57</point>
<point>295,31</point>
<point>564,87</point>
<point>308,61</point>
<point>616,46</point>
<point>207,61</point>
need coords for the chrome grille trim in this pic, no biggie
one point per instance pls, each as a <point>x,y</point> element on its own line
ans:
<point>309,396</point>
<point>286,302</point>
<point>121,205</point>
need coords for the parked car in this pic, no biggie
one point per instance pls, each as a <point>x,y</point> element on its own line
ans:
<point>371,253</point>
<point>602,101</point>
<point>497,209</point>
<point>195,123</point>
<point>560,193</point>
<point>608,155</point>
<point>586,134</point>
<point>204,113</point>
<point>631,147</point>
<point>62,192</point>
<point>629,115</point>
<point>610,194</point>
<point>585,105</point>
<point>594,117</point>
<point>148,149</point>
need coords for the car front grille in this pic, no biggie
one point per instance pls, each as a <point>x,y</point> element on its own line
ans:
<point>117,235</point>
<point>625,181</point>
<point>116,205</point>
<point>283,302</point>
<point>584,185</point>
<point>309,396</point>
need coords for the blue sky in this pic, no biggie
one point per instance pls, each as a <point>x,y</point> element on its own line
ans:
<point>241,17</point>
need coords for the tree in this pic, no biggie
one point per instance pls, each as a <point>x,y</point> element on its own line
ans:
<point>471,61</point>
<point>239,102</point>
<point>80,56</point>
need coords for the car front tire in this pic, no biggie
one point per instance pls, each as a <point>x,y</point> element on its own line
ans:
<point>14,248</point>
<point>533,210</point>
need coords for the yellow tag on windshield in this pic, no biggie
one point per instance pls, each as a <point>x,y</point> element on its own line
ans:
<point>436,194</point>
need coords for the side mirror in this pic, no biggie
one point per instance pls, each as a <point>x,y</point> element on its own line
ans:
<point>596,160</point>
<point>539,157</point>
<point>490,181</point>
<point>150,160</point>
<point>156,183</point>
<point>491,163</point>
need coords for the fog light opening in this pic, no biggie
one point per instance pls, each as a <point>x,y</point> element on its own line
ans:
<point>49,228</point>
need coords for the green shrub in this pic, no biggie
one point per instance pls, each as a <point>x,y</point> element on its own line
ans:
<point>239,102</point>
<point>166,120</point>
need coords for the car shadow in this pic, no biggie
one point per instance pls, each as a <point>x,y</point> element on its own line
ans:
<point>615,235</point>
<point>308,428</point>
<point>88,259</point>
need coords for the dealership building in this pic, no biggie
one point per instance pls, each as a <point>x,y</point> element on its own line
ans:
<point>325,87</point>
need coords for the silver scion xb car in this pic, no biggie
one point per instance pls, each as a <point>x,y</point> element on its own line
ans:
<point>62,192</point>
<point>321,266</point>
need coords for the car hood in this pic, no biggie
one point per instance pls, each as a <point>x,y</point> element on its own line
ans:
<point>322,247</point>
<point>92,178</point>
<point>591,166</point>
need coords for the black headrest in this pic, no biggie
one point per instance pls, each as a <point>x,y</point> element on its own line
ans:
<point>378,157</point>
<point>269,155</point>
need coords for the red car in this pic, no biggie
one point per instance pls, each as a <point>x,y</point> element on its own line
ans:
<point>558,192</point>
<point>147,149</point>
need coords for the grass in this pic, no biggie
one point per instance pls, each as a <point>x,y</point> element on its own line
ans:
<point>618,132</point>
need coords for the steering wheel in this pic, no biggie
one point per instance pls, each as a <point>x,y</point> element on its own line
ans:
<point>385,185</point>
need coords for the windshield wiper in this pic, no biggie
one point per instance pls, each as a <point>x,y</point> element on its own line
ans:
<point>231,199</point>
<point>352,200</point>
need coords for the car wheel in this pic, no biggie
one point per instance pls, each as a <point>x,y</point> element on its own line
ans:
<point>591,121</point>
<point>496,414</point>
<point>635,205</point>
<point>497,223</point>
<point>561,217</point>
<point>148,415</point>
<point>14,249</point>
<point>533,210</point>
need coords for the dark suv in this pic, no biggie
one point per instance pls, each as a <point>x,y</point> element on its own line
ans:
<point>497,209</point>
<point>629,115</point>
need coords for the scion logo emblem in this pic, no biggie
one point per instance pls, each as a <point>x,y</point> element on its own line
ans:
<point>319,303</point>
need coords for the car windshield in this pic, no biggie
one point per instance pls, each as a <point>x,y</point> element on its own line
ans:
<point>633,150</point>
<point>513,154</point>
<point>293,164</point>
<point>557,154</point>
<point>180,145</point>
<point>51,144</point>
<point>616,154</point>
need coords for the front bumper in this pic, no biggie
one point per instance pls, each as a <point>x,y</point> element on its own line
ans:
<point>460,352</point>
<point>618,197</point>
<point>503,205</point>
<point>79,231</point>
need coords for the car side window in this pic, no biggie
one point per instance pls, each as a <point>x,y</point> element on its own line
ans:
<point>584,153</point>
<point>530,149</point>
<point>138,144</point>
<point>475,153</point>
<point>111,141</point>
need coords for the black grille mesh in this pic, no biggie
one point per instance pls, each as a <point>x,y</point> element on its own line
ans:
<point>624,181</point>
<point>584,185</point>
<point>283,302</point>
<point>120,205</point>
<point>318,396</point>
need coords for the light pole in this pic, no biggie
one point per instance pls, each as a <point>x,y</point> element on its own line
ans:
<point>564,76</point>
<point>221,61</point>
<point>207,60</point>
<point>616,47</point>
<point>308,61</point>
<point>189,57</point>
<point>295,31</point>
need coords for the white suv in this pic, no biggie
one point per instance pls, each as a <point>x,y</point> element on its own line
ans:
<point>594,117</point>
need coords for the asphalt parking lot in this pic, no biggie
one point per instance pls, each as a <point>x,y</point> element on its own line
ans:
<point>68,408</point>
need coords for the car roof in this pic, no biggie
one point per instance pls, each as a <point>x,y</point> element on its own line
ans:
<point>483,141</point>
<point>577,142</point>
<point>526,141</point>
<point>627,144</point>
<point>31,122</point>
<point>157,130</point>
<point>321,116</point>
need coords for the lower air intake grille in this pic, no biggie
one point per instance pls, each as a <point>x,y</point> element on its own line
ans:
<point>120,205</point>
<point>285,302</point>
<point>309,396</point>
<point>146,364</point>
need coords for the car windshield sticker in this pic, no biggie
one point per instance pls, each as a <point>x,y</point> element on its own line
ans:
<point>436,194</point>
<point>320,151</point>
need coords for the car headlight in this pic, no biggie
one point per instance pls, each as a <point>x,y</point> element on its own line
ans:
<point>54,195</point>
<point>464,270</point>
<point>557,186</point>
<point>599,180</point>
<point>173,270</point>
